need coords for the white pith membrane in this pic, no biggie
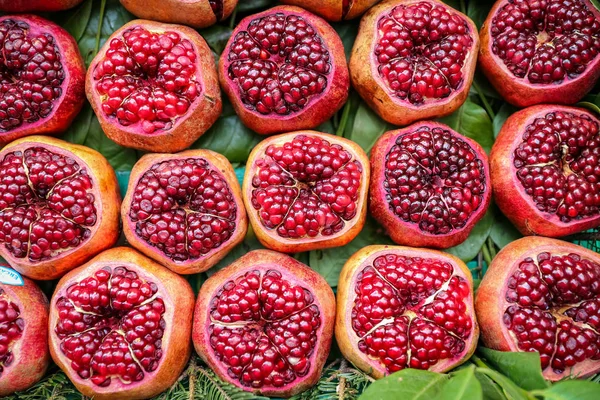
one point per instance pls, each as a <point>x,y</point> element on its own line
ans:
<point>263,328</point>
<point>11,330</point>
<point>306,187</point>
<point>110,326</point>
<point>47,203</point>
<point>395,315</point>
<point>552,306</point>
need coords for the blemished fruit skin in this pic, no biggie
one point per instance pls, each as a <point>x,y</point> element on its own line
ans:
<point>347,296</point>
<point>520,204</point>
<point>178,298</point>
<point>334,10</point>
<point>195,13</point>
<point>16,6</point>
<point>522,92</point>
<point>66,104</point>
<point>193,85</point>
<point>299,107</point>
<point>512,291</point>
<point>30,355</point>
<point>292,272</point>
<point>373,88</point>
<point>104,232</point>
<point>217,164</point>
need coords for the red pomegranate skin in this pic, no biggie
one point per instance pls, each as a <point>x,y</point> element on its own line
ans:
<point>59,206</point>
<point>184,210</point>
<point>24,352</point>
<point>429,186</point>
<point>120,326</point>
<point>541,294</point>
<point>544,168</point>
<point>408,66</point>
<point>17,6</point>
<point>152,98</point>
<point>45,94</point>
<point>275,89</point>
<point>195,13</point>
<point>334,10</point>
<point>530,60</point>
<point>402,307</point>
<point>272,306</point>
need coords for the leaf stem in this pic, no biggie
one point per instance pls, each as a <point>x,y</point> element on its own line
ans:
<point>344,119</point>
<point>100,21</point>
<point>492,247</point>
<point>484,101</point>
<point>232,20</point>
<point>486,254</point>
<point>463,7</point>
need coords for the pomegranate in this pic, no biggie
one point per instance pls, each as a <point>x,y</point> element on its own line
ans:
<point>545,174</point>
<point>41,77</point>
<point>541,51</point>
<point>184,210</point>
<point>265,324</point>
<point>196,13</point>
<point>24,352</point>
<point>284,69</point>
<point>334,10</point>
<point>15,6</point>
<point>59,206</point>
<point>120,326</point>
<point>543,295</point>
<point>401,307</point>
<point>430,185</point>
<point>414,59</point>
<point>154,86</point>
<point>306,190</point>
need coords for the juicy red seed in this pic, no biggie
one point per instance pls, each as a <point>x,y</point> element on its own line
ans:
<point>421,49</point>
<point>11,329</point>
<point>546,42</point>
<point>388,343</point>
<point>574,345</point>
<point>429,343</point>
<point>587,312</point>
<point>279,64</point>
<point>31,74</point>
<point>184,208</point>
<point>558,165</point>
<point>434,180</point>
<point>111,325</point>
<point>274,333</point>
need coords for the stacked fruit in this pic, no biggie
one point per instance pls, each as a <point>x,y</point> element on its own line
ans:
<point>121,322</point>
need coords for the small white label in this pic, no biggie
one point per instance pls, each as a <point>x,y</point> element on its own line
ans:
<point>11,277</point>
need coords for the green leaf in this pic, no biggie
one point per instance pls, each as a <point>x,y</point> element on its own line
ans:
<point>407,384</point>
<point>347,32</point>
<point>491,390</point>
<point>503,231</point>
<point>571,390</point>
<point>469,249</point>
<point>216,36</point>
<point>75,21</point>
<point>505,111</point>
<point>511,391</point>
<point>367,127</point>
<point>474,122</point>
<point>462,386</point>
<point>479,10</point>
<point>244,6</point>
<point>250,243</point>
<point>523,368</point>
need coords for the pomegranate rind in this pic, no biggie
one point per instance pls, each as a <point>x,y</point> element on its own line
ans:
<point>374,91</point>
<point>195,13</point>
<point>345,335</point>
<point>192,266</point>
<point>320,108</point>
<point>201,115</point>
<point>31,355</point>
<point>490,302</point>
<point>104,233</point>
<point>37,5</point>
<point>518,91</point>
<point>509,193</point>
<point>333,10</point>
<point>178,297</point>
<point>66,107</point>
<point>409,233</point>
<point>269,237</point>
<point>296,273</point>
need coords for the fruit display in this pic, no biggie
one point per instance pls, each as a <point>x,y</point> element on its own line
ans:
<point>394,199</point>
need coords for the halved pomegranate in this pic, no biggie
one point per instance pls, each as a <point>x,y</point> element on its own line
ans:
<point>430,185</point>
<point>284,69</point>
<point>541,51</point>
<point>15,6</point>
<point>59,206</point>
<point>41,77</point>
<point>184,210</point>
<point>414,59</point>
<point>265,324</point>
<point>120,326</point>
<point>196,13</point>
<point>306,190</point>
<point>334,10</point>
<point>545,170</point>
<point>402,307</point>
<point>154,86</point>
<point>543,295</point>
<point>24,352</point>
